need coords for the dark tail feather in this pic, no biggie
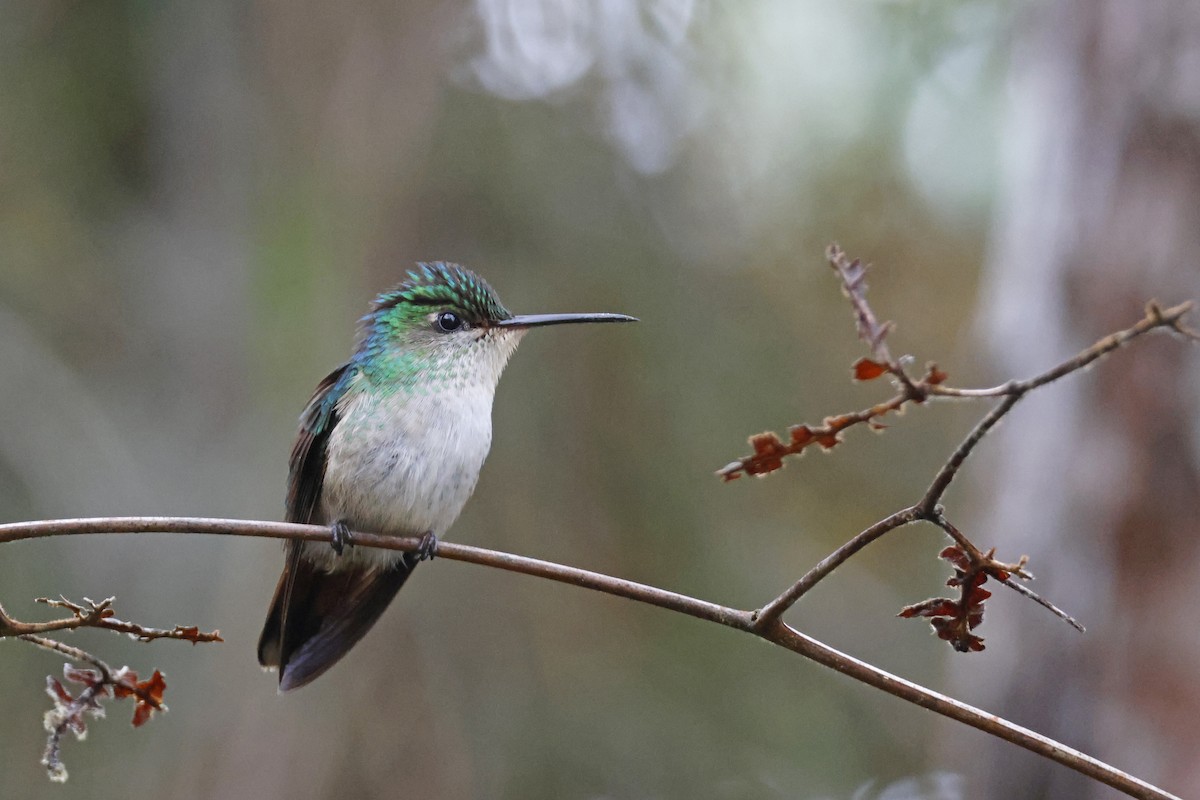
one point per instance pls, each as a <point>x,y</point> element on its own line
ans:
<point>317,616</point>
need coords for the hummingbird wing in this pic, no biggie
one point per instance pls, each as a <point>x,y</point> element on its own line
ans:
<point>316,616</point>
<point>306,474</point>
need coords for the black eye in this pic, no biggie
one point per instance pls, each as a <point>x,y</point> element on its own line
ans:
<point>448,321</point>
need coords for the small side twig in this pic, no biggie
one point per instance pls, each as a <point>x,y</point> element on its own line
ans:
<point>100,615</point>
<point>70,711</point>
<point>769,614</point>
<point>1025,591</point>
<point>941,482</point>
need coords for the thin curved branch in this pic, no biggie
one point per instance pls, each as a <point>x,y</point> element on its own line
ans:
<point>766,617</point>
<point>1025,591</point>
<point>99,615</point>
<point>791,639</point>
<point>1156,317</point>
<point>70,651</point>
<point>941,482</point>
<point>777,633</point>
<point>16,531</point>
<point>13,627</point>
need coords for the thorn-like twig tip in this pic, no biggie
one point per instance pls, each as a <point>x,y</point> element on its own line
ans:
<point>1044,603</point>
<point>730,470</point>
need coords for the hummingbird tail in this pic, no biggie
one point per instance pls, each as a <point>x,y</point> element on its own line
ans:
<point>317,616</point>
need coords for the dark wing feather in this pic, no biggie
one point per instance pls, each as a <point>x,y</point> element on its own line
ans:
<point>306,474</point>
<point>326,613</point>
<point>317,616</point>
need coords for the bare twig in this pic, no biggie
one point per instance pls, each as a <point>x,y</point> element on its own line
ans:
<point>1021,589</point>
<point>99,615</point>
<point>766,616</point>
<point>73,653</point>
<point>941,481</point>
<point>793,640</point>
<point>778,633</point>
<point>1155,318</point>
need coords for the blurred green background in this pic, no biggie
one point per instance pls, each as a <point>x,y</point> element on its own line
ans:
<point>197,202</point>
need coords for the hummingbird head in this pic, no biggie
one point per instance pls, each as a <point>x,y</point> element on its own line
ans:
<point>446,324</point>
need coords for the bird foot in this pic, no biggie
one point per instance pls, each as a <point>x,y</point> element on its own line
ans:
<point>427,549</point>
<point>340,536</point>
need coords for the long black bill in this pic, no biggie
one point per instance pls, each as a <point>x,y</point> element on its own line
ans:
<point>534,320</point>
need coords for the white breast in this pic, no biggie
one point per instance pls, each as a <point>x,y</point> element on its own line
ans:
<point>405,463</point>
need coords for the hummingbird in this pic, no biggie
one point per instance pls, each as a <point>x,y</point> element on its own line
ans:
<point>391,442</point>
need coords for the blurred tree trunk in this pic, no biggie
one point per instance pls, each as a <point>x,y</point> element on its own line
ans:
<point>1098,480</point>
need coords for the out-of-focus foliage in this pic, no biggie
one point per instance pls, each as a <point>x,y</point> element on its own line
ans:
<point>198,200</point>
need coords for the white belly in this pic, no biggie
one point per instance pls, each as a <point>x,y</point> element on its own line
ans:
<point>404,464</point>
